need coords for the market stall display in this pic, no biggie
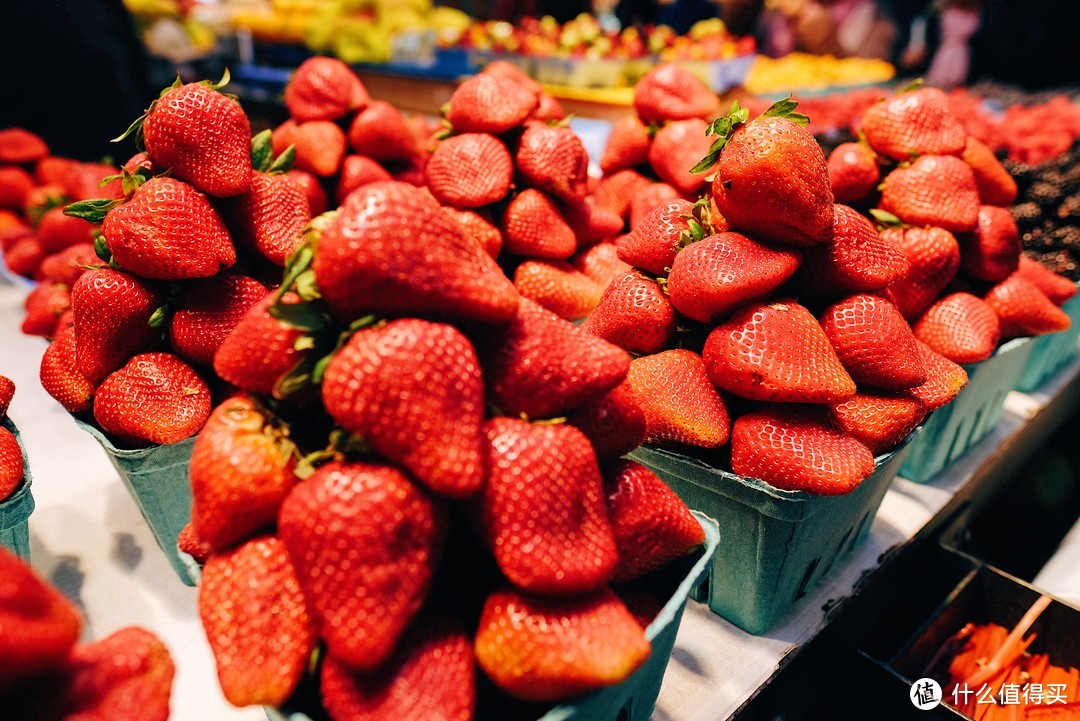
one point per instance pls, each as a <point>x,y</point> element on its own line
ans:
<point>16,501</point>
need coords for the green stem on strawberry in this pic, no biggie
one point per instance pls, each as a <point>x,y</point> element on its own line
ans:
<point>725,126</point>
<point>886,220</point>
<point>93,211</point>
<point>136,127</point>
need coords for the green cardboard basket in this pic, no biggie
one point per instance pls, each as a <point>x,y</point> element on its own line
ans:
<point>777,543</point>
<point>157,478</point>
<point>1050,353</point>
<point>634,698</point>
<point>953,429</point>
<point>15,511</point>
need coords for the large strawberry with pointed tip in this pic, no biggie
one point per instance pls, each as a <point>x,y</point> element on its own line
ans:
<point>654,242</point>
<point>853,173</point>
<point>532,226</point>
<point>490,103</point>
<point>269,217</point>
<point>874,342</point>
<point>675,149</point>
<point>69,264</point>
<point>553,159</point>
<point>634,313</point>
<point>961,327</point>
<point>470,170</point>
<point>992,251</point>
<point>996,186</point>
<point>207,313</point>
<point>614,424</point>
<point>936,190</point>
<point>320,147</point>
<point>324,89</point>
<point>944,379</point>
<point>912,123</point>
<point>261,349</point>
<point>933,257</point>
<point>379,131</point>
<point>557,286</point>
<point>878,420</point>
<point>12,468</point>
<point>60,376</point>
<point>671,92</point>
<point>627,145</point>
<point>682,407</point>
<point>1023,309</point>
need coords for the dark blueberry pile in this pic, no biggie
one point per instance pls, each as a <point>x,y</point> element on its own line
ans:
<point>1047,211</point>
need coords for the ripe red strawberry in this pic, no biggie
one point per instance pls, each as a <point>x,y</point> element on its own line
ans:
<point>189,542</point>
<point>996,186</point>
<point>25,257</point>
<point>44,306</point>
<point>168,231</point>
<point>543,366</point>
<point>676,148</point>
<point>155,398</point>
<point>490,103</point>
<point>557,286</point>
<point>614,424</point>
<point>992,252</point>
<point>60,377</point>
<point>550,649</point>
<point>796,448</point>
<point>670,92</point>
<point>479,227</point>
<point>914,123</point>
<point>933,256</point>
<point>1057,288</point>
<point>365,543</point>
<point>12,468</point>
<point>506,69</point>
<point>139,160</point>
<point>67,266</point>
<point>635,314</point>
<point>682,407</point>
<point>960,327</point>
<point>532,226</point>
<point>616,190</point>
<point>86,182</point>
<point>874,342</point>
<point>591,222</point>
<point>429,678</point>
<point>379,131</point>
<point>853,173</point>
<point>414,173</point>
<point>601,263</point>
<point>357,171</point>
<point>944,379</point>
<point>712,277</point>
<point>647,199</point>
<point>934,190</point>
<point>653,243</point>
<point>15,184</point>
<point>208,311</point>
<point>553,159</point>
<point>776,352</point>
<point>113,311</point>
<point>548,109</point>
<point>652,525</point>
<point>470,170</point>
<point>283,136</point>
<point>390,380</point>
<point>269,218</point>
<point>260,349</point>
<point>52,170</point>
<point>202,137</point>
<point>57,231</point>
<point>18,146</point>
<point>316,196</point>
<point>241,471</point>
<point>877,420</point>
<point>320,147</point>
<point>7,391</point>
<point>256,621</point>
<point>1023,309</point>
<point>627,145</point>
<point>40,625</point>
<point>392,251</point>
<point>324,89</point>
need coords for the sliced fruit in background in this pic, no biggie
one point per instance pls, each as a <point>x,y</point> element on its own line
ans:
<point>682,407</point>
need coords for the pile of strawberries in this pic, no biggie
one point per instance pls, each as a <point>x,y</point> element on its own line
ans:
<point>12,468</point>
<point>45,676</point>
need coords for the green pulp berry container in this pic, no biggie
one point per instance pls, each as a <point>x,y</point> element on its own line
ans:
<point>953,429</point>
<point>634,698</point>
<point>1052,352</point>
<point>157,478</point>
<point>777,543</point>
<point>16,509</point>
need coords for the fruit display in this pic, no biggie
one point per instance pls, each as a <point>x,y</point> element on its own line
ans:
<point>12,469</point>
<point>802,71</point>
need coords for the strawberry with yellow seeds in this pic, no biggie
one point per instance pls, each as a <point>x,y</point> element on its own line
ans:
<point>675,149</point>
<point>208,311</point>
<point>647,198</point>
<point>12,468</point>
<point>992,251</point>
<point>532,226</point>
<point>615,424</point>
<point>479,225</point>
<point>490,103</point>
<point>320,147</point>
<point>557,286</point>
<point>470,170</point>
<point>616,190</point>
<point>682,407</point>
<point>853,173</point>
<point>961,327</point>
<point>324,89</point>
<point>917,122</point>
<point>874,342</point>
<point>654,242</point>
<point>933,257</point>
<point>60,376</point>
<point>944,379</point>
<point>936,190</point>
<point>552,159</point>
<point>600,263</point>
<point>634,313</point>
<point>878,420</point>
<point>261,349</point>
<point>671,92</point>
<point>1024,310</point>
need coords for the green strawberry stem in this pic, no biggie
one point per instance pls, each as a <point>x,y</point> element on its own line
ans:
<point>136,127</point>
<point>101,248</point>
<point>92,210</point>
<point>262,150</point>
<point>910,86</point>
<point>886,219</point>
<point>699,220</point>
<point>284,162</point>
<point>725,126</point>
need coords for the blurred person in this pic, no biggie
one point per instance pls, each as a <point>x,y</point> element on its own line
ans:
<point>681,15</point>
<point>741,16</point>
<point>843,28</point>
<point>952,60</point>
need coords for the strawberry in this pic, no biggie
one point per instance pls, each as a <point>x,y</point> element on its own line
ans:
<point>365,542</point>
<point>139,160</point>
<point>771,177</point>
<point>961,327</point>
<point>12,469</point>
<point>647,199</point>
<point>635,314</point>
<point>357,171</point>
<point>189,542</point>
<point>542,365</point>
<point>57,231</point>
<point>614,424</point>
<point>15,184</point>
<point>168,231</point>
<point>256,621</point>
<point>557,286</point>
<point>675,149</point>
<point>591,222</point>
<point>796,448</point>
<point>479,226</point>
<point>40,625</point>
<point>776,352</point>
<point>60,376</point>
<point>944,379</point>
<point>627,145</point>
<point>933,256</point>
<point>490,103</point>
<point>324,89</point>
<point>414,173</point>
<point>712,277</point>
<point>320,147</point>
<point>283,136</point>
<point>241,471</point>
<point>682,407</point>
<point>552,159</point>
<point>934,190</point>
<point>506,69</point>
<point>616,190</point>
<point>208,311</point>
<point>653,527</point>
<point>1024,310</point>
<point>1057,288</point>
<point>270,216</point>
<point>113,315</point>
<point>853,173</point>
<point>54,171</point>
<point>874,342</point>
<point>996,186</point>
<point>470,170</point>
<point>878,421</point>
<point>389,380</point>
<point>201,137</point>
<point>155,398</point>
<point>532,226</point>
<point>550,649</point>
<point>379,131</point>
<point>548,109</point>
<point>86,182</point>
<point>260,349</point>
<point>391,251</point>
<point>992,252</point>
<point>67,266</point>
<point>653,243</point>
<point>18,146</point>
<point>431,677</point>
<point>316,196</point>
<point>44,306</point>
<point>25,257</point>
<point>601,263</point>
<point>7,391</point>
<point>914,123</point>
<point>670,92</point>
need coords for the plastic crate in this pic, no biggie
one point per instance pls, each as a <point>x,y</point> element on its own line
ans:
<point>778,543</point>
<point>157,478</point>
<point>953,429</point>
<point>15,511</point>
<point>635,698</point>
<point>1050,353</point>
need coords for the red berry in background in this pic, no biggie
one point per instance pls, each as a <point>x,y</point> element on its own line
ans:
<point>961,327</point>
<point>853,173</point>
<point>324,89</point>
<point>470,170</point>
<point>670,92</point>
<point>490,103</point>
